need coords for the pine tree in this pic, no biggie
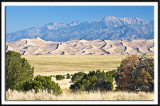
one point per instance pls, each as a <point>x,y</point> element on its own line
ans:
<point>18,70</point>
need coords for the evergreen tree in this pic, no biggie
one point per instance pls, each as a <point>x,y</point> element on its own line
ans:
<point>18,70</point>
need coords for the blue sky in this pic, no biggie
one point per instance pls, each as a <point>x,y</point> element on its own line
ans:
<point>23,17</point>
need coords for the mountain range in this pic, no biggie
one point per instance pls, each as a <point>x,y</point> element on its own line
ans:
<point>38,46</point>
<point>106,28</point>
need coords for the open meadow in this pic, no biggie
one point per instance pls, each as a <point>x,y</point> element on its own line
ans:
<point>63,64</point>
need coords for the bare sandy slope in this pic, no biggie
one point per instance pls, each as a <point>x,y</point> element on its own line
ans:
<point>37,46</point>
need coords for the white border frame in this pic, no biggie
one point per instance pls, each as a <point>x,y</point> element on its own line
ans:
<point>155,4</point>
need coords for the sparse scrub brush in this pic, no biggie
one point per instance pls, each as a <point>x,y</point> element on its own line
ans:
<point>60,77</point>
<point>68,76</point>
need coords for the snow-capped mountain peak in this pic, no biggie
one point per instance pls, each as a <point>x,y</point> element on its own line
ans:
<point>73,23</point>
<point>55,25</point>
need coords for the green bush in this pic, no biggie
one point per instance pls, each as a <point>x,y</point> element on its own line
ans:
<point>136,73</point>
<point>18,70</point>
<point>77,76</point>
<point>60,77</point>
<point>42,83</point>
<point>94,80</point>
<point>110,75</point>
<point>68,76</point>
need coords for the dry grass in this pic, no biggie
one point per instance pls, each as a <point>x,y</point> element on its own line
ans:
<point>64,84</point>
<point>67,95</point>
<point>63,64</point>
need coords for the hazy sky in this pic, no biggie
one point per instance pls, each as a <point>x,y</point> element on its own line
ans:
<point>23,17</point>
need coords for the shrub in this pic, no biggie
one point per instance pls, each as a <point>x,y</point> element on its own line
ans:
<point>77,76</point>
<point>136,73</point>
<point>94,80</point>
<point>110,75</point>
<point>60,77</point>
<point>18,70</point>
<point>68,76</point>
<point>42,83</point>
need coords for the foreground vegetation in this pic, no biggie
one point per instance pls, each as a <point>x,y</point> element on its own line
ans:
<point>67,95</point>
<point>19,76</point>
<point>135,73</point>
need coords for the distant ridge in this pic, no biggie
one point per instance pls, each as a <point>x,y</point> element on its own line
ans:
<point>105,28</point>
<point>38,46</point>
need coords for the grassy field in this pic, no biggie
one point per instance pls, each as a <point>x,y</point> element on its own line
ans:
<point>63,64</point>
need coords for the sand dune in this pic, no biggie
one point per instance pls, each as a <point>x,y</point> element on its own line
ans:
<point>37,46</point>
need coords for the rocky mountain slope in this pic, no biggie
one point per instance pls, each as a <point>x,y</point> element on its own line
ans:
<point>37,46</point>
<point>106,28</point>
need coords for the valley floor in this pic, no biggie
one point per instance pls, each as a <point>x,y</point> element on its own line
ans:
<point>63,64</point>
